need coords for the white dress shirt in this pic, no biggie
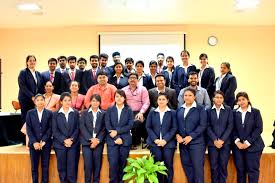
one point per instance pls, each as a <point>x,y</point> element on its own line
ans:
<point>61,110</point>
<point>218,110</point>
<point>185,67</point>
<point>119,112</point>
<point>39,114</point>
<point>187,109</point>
<point>94,119</point>
<point>34,76</point>
<point>219,82</point>
<point>161,114</point>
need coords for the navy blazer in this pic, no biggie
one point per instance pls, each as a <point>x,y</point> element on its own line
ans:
<point>180,77</point>
<point>37,130</point>
<point>87,127</point>
<point>171,94</point>
<point>88,80</point>
<point>251,131</point>
<point>58,81</point>
<point>63,130</point>
<point>168,128</point>
<point>122,82</point>
<point>123,127</point>
<point>78,78</point>
<point>220,128</point>
<point>168,83</point>
<point>207,80</point>
<point>228,87</point>
<point>147,82</point>
<point>27,86</point>
<point>194,124</point>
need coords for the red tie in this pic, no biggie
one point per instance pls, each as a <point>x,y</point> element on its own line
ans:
<point>51,77</point>
<point>72,75</point>
<point>94,74</point>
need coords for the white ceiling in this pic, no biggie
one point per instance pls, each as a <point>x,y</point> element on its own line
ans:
<point>137,12</point>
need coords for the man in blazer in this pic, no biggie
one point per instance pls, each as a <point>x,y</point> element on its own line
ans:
<point>55,77</point>
<point>89,130</point>
<point>62,61</point>
<point>90,76</point>
<point>171,93</point>
<point>73,74</point>
<point>39,131</point>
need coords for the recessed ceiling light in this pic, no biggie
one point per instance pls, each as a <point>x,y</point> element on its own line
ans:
<point>246,4</point>
<point>28,7</point>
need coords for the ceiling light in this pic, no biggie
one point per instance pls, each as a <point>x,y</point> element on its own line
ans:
<point>246,4</point>
<point>28,7</point>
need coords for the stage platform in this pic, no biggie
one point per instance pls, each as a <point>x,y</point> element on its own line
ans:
<point>15,166</point>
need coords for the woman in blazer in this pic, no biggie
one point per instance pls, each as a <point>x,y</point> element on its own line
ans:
<point>220,125</point>
<point>143,79</point>
<point>227,83</point>
<point>65,128</point>
<point>119,122</point>
<point>38,123</point>
<point>206,75</point>
<point>247,151</point>
<point>161,126</point>
<point>181,73</point>
<point>192,123</point>
<point>92,138</point>
<point>168,72</point>
<point>119,80</point>
<point>30,84</point>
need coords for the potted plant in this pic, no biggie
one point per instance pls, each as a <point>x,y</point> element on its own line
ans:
<point>143,169</point>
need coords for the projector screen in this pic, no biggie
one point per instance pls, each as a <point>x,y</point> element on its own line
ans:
<point>142,46</point>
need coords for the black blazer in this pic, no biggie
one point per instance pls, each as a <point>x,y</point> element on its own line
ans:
<point>168,128</point>
<point>251,131</point>
<point>147,82</point>
<point>78,78</point>
<point>87,129</point>
<point>228,87</point>
<point>207,80</point>
<point>194,124</point>
<point>28,88</point>
<point>123,126</point>
<point>220,128</point>
<point>172,96</point>
<point>88,80</point>
<point>38,131</point>
<point>63,130</point>
<point>122,82</point>
<point>180,77</point>
<point>58,81</point>
<point>168,83</point>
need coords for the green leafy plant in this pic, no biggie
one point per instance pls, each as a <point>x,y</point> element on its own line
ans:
<point>143,169</point>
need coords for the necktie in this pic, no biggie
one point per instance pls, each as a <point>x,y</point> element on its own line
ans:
<point>72,75</point>
<point>94,74</point>
<point>51,77</point>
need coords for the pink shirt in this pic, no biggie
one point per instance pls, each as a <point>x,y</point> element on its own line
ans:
<point>78,102</point>
<point>138,100</point>
<point>106,93</point>
<point>52,103</point>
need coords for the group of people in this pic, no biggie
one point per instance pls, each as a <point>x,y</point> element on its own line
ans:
<point>124,107</point>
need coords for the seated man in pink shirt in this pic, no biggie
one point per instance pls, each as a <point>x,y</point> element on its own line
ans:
<point>138,99</point>
<point>105,90</point>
